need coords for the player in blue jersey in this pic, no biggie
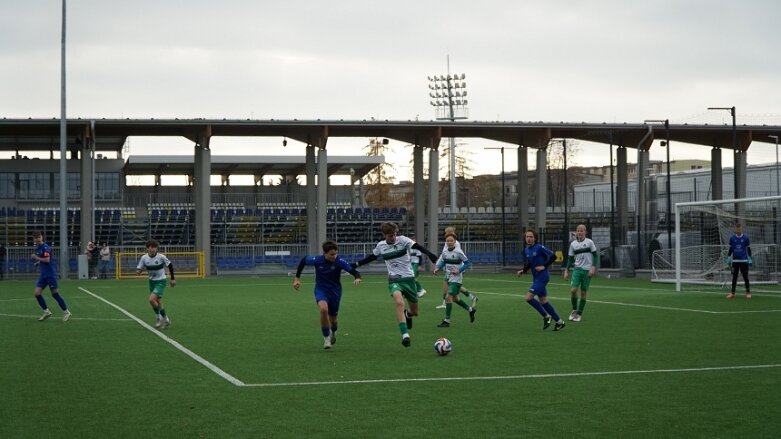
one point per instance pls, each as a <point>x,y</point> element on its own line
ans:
<point>538,259</point>
<point>48,277</point>
<point>394,250</point>
<point>328,287</point>
<point>739,259</point>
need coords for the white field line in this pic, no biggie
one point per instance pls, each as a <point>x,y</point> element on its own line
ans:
<point>638,305</point>
<point>30,316</point>
<point>171,341</point>
<point>517,377</point>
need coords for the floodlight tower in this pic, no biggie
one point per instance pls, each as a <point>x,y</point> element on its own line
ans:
<point>448,97</point>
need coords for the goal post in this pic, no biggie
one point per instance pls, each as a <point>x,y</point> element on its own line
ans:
<point>701,241</point>
<point>186,264</point>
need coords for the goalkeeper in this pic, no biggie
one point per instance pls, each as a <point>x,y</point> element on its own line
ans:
<point>739,259</point>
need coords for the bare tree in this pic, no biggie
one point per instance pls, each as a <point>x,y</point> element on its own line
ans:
<point>380,179</point>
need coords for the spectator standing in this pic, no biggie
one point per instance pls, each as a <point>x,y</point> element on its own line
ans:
<point>105,259</point>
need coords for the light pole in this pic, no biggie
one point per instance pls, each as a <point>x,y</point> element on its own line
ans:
<point>668,186</point>
<point>448,97</point>
<point>503,206</point>
<point>778,188</point>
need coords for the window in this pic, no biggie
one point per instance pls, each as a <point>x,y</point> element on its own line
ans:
<point>34,185</point>
<point>7,185</point>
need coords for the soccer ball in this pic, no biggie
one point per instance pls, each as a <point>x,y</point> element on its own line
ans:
<point>443,346</point>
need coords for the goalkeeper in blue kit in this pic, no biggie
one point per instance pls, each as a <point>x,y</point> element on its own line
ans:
<point>739,259</point>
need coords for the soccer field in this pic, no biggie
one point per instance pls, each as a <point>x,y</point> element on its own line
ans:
<point>244,358</point>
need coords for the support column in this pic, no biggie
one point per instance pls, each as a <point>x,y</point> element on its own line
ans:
<point>311,200</point>
<point>642,208</point>
<point>433,199</point>
<point>622,196</point>
<point>740,174</point>
<point>203,197</point>
<point>419,195</point>
<point>541,198</point>
<point>322,195</point>
<point>523,190</point>
<point>87,202</point>
<point>716,177</point>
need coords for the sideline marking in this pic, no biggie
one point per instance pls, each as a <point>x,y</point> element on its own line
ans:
<point>29,316</point>
<point>228,377</point>
<point>517,377</point>
<point>640,305</point>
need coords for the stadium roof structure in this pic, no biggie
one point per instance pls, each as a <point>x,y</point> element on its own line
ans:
<point>111,134</point>
<point>358,166</point>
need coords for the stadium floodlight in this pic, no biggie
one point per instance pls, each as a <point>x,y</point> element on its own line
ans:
<point>668,187</point>
<point>448,107</point>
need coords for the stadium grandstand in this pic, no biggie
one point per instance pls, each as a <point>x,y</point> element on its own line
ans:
<point>266,228</point>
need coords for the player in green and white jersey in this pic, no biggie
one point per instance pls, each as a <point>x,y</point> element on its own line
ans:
<point>445,286</point>
<point>415,257</point>
<point>154,263</point>
<point>394,250</point>
<point>583,259</point>
<point>455,262</point>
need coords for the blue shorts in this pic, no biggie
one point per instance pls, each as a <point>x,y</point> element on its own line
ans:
<point>331,298</point>
<point>539,285</point>
<point>44,281</point>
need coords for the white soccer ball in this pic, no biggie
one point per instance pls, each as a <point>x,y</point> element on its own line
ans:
<point>443,346</point>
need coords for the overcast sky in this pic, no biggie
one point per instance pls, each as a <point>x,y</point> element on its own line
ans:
<point>573,61</point>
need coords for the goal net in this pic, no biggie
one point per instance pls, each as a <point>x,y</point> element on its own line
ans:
<point>186,264</point>
<point>698,259</point>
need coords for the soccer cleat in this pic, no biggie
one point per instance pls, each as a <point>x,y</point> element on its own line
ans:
<point>409,319</point>
<point>444,324</point>
<point>474,301</point>
<point>422,292</point>
<point>577,317</point>
<point>442,306</point>
<point>546,321</point>
<point>165,323</point>
<point>731,296</point>
<point>472,315</point>
<point>405,341</point>
<point>333,338</point>
<point>559,326</point>
<point>326,343</point>
<point>748,296</point>
<point>46,315</point>
<point>66,316</point>
<point>158,322</point>
<point>572,315</point>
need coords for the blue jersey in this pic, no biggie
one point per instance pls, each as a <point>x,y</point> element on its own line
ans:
<point>537,254</point>
<point>739,248</point>
<point>328,274</point>
<point>47,268</point>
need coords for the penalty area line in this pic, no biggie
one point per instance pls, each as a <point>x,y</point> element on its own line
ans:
<point>516,377</point>
<point>221,373</point>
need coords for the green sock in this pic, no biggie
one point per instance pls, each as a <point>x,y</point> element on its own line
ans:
<point>574,300</point>
<point>581,306</point>
<point>463,304</point>
<point>448,310</point>
<point>403,328</point>
<point>467,293</point>
<point>162,312</point>
<point>156,310</point>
